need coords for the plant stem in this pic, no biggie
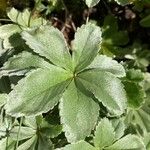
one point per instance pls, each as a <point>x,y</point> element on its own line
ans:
<point>18,134</point>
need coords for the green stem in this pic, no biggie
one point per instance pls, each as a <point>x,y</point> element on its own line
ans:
<point>18,134</point>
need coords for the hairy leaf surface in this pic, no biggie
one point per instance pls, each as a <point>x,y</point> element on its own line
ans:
<point>38,92</point>
<point>127,142</point>
<point>86,46</point>
<point>105,63</point>
<point>78,113</point>
<point>50,43</point>
<point>104,134</point>
<point>106,88</point>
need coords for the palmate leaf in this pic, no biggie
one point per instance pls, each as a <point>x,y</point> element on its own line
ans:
<point>78,113</point>
<point>86,46</point>
<point>106,88</point>
<point>104,134</point>
<point>92,3</point>
<point>38,92</point>
<point>50,43</point>
<point>105,139</point>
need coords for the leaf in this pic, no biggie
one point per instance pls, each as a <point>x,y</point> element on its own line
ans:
<point>104,134</point>
<point>140,118</point>
<point>106,88</point>
<point>145,22</point>
<point>135,94</point>
<point>49,130</point>
<point>86,46</point>
<point>119,127</point>
<point>82,116</point>
<point>104,63</point>
<point>50,43</point>
<point>3,99</point>
<point>147,141</point>
<point>25,133</point>
<point>38,92</point>
<point>81,145</point>
<point>25,60</point>
<point>44,143</point>
<point>135,75</point>
<point>10,146</point>
<point>25,18</point>
<point>92,3</point>
<point>29,144</point>
<point>8,30</point>
<point>123,2</point>
<point>110,31</point>
<point>127,142</point>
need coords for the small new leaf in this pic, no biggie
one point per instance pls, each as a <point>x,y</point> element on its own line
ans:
<point>104,134</point>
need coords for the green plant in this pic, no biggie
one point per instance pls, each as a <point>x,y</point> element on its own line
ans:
<point>73,96</point>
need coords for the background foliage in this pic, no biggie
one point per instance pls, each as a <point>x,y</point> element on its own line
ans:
<point>74,74</point>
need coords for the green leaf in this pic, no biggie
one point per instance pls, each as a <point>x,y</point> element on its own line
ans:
<point>105,63</point>
<point>135,94</point>
<point>25,18</point>
<point>49,130</point>
<point>126,143</point>
<point>50,43</point>
<point>145,22</point>
<point>25,60</point>
<point>106,88</point>
<point>3,99</point>
<point>140,118</point>
<point>10,145</point>
<point>86,46</point>
<point>25,133</point>
<point>81,145</point>
<point>29,144</point>
<point>44,143</point>
<point>119,127</point>
<point>38,92</point>
<point>82,116</point>
<point>147,141</point>
<point>135,75</point>
<point>8,30</point>
<point>104,134</point>
<point>92,3</point>
<point>110,31</point>
<point>123,2</point>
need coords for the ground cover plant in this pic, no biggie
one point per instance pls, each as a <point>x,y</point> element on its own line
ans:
<point>74,75</point>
